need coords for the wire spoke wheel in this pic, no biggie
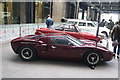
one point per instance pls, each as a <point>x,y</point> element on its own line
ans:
<point>92,58</point>
<point>27,53</point>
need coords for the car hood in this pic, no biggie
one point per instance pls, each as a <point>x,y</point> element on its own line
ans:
<point>89,43</point>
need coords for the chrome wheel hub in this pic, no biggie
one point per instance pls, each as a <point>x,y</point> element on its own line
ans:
<point>26,53</point>
<point>93,58</point>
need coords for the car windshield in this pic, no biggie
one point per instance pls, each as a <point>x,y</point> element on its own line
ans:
<point>66,27</point>
<point>59,27</point>
<point>78,29</point>
<point>74,41</point>
<point>66,40</point>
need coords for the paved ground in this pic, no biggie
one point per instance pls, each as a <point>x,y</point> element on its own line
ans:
<point>13,67</point>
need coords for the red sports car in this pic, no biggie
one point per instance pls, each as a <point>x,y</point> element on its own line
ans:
<point>60,46</point>
<point>69,29</point>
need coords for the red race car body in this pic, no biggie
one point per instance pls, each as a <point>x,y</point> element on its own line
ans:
<point>60,46</point>
<point>69,29</point>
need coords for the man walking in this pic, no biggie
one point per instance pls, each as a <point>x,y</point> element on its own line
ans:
<point>115,35</point>
<point>102,24</point>
<point>110,25</point>
<point>49,21</point>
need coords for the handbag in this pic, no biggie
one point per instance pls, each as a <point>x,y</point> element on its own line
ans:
<point>115,43</point>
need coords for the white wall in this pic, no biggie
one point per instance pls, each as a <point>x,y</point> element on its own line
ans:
<point>107,16</point>
<point>9,32</point>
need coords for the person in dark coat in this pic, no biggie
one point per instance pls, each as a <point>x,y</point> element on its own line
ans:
<point>115,35</point>
<point>63,19</point>
<point>102,24</point>
<point>49,21</point>
<point>110,25</point>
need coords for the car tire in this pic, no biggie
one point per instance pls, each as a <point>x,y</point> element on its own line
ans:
<point>27,53</point>
<point>92,58</point>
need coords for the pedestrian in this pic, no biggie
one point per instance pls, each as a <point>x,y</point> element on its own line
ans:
<point>102,23</point>
<point>110,25</point>
<point>63,19</point>
<point>49,21</point>
<point>106,23</point>
<point>115,35</point>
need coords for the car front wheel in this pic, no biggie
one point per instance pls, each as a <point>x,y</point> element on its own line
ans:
<point>92,58</point>
<point>27,53</point>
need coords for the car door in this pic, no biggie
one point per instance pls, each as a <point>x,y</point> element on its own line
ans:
<point>61,49</point>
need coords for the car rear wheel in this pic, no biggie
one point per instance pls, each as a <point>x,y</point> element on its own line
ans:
<point>27,53</point>
<point>92,58</point>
